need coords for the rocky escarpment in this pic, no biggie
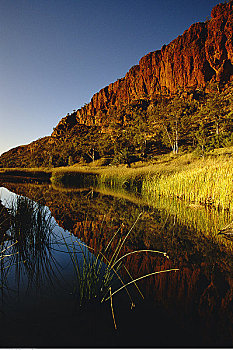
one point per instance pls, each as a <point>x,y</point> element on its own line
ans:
<point>203,54</point>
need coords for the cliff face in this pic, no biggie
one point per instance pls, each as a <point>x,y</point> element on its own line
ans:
<point>202,54</point>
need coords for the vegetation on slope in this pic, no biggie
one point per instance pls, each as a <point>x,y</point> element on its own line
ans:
<point>191,120</point>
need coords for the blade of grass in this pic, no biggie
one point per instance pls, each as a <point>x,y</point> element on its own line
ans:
<point>140,278</point>
<point>139,251</point>
<point>134,282</point>
<point>128,234</point>
<point>113,316</point>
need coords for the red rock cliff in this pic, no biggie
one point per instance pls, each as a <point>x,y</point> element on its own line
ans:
<point>203,53</point>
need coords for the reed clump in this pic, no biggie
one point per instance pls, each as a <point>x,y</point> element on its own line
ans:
<point>207,182</point>
<point>8,250</point>
<point>32,227</point>
<point>98,271</point>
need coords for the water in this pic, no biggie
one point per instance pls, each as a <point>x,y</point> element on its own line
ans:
<point>190,307</point>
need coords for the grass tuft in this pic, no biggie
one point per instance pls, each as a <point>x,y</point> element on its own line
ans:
<point>99,276</point>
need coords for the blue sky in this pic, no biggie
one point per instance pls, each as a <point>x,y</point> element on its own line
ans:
<point>55,54</point>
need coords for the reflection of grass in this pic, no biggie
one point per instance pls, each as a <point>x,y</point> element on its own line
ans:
<point>97,275</point>
<point>32,227</point>
<point>206,222</point>
<point>6,247</point>
<point>4,222</point>
<point>30,220</point>
<point>6,263</point>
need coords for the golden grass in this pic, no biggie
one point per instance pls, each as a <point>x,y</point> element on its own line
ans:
<point>207,182</point>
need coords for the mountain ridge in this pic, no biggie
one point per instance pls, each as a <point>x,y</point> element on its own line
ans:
<point>203,53</point>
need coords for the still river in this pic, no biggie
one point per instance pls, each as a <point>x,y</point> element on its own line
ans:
<point>191,307</point>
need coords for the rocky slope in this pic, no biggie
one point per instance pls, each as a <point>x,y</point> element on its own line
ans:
<point>203,54</point>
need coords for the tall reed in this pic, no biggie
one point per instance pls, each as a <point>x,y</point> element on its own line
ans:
<point>208,183</point>
<point>98,271</point>
<point>31,225</point>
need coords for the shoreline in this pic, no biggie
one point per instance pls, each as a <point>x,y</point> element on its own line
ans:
<point>197,181</point>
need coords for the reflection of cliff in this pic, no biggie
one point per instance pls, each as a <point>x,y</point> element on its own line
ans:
<point>200,294</point>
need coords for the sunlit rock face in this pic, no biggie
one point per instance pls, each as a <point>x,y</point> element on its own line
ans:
<point>203,54</point>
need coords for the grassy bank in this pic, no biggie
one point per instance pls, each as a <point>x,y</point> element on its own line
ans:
<point>197,180</point>
<point>208,182</point>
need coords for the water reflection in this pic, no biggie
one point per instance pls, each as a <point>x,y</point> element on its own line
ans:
<point>200,296</point>
<point>4,222</point>
<point>31,227</point>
